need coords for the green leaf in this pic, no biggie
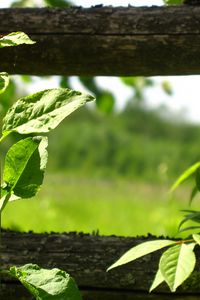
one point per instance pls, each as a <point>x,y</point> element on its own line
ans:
<point>4,81</point>
<point>4,200</point>
<point>157,281</point>
<point>15,39</point>
<point>24,166</point>
<point>192,216</point>
<point>196,237</point>
<point>188,228</point>
<point>141,250</point>
<point>190,171</point>
<point>45,284</point>
<point>43,111</point>
<point>58,3</point>
<point>197,178</point>
<point>176,264</point>
<point>173,2</point>
<point>193,194</point>
<point>106,102</point>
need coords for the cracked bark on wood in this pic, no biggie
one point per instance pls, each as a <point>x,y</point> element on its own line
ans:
<point>104,41</point>
<point>86,258</point>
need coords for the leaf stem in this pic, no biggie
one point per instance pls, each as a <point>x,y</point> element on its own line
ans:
<point>184,241</point>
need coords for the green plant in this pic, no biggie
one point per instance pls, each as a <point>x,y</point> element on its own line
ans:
<point>29,119</point>
<point>178,261</point>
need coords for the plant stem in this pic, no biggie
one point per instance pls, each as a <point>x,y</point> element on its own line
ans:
<point>0,219</point>
<point>185,241</point>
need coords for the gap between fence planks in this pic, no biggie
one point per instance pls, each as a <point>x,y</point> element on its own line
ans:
<point>86,258</point>
<point>107,41</point>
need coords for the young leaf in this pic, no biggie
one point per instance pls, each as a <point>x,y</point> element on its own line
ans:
<point>4,81</point>
<point>141,250</point>
<point>176,264</point>
<point>196,238</point>
<point>24,166</point>
<point>42,111</point>
<point>15,39</point>
<point>157,281</point>
<point>46,284</point>
<point>185,175</point>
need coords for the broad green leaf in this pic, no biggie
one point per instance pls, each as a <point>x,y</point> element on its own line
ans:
<point>45,284</point>
<point>185,175</point>
<point>4,81</point>
<point>15,39</point>
<point>24,166</point>
<point>43,111</point>
<point>176,264</point>
<point>157,281</point>
<point>196,237</point>
<point>141,250</point>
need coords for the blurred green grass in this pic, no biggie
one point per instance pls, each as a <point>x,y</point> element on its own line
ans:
<point>105,206</point>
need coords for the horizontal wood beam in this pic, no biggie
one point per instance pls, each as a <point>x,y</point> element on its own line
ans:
<point>86,258</point>
<point>144,41</point>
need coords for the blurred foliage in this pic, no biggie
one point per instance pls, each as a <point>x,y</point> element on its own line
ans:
<point>173,2</point>
<point>134,143</point>
<point>49,3</point>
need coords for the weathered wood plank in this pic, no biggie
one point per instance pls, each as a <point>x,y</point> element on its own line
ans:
<point>104,41</point>
<point>18,292</point>
<point>86,258</point>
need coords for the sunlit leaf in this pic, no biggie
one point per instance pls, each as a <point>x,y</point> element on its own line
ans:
<point>4,200</point>
<point>45,284</point>
<point>157,280</point>
<point>185,175</point>
<point>196,237</point>
<point>25,164</point>
<point>4,81</point>
<point>176,264</point>
<point>15,39</point>
<point>43,111</point>
<point>141,250</point>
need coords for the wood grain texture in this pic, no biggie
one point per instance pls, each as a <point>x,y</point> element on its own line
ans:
<point>104,41</point>
<point>86,258</point>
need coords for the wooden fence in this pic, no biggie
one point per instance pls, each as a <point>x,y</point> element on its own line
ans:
<point>104,41</point>
<point>98,41</point>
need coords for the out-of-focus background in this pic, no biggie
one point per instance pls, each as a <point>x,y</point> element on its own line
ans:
<point>111,163</point>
